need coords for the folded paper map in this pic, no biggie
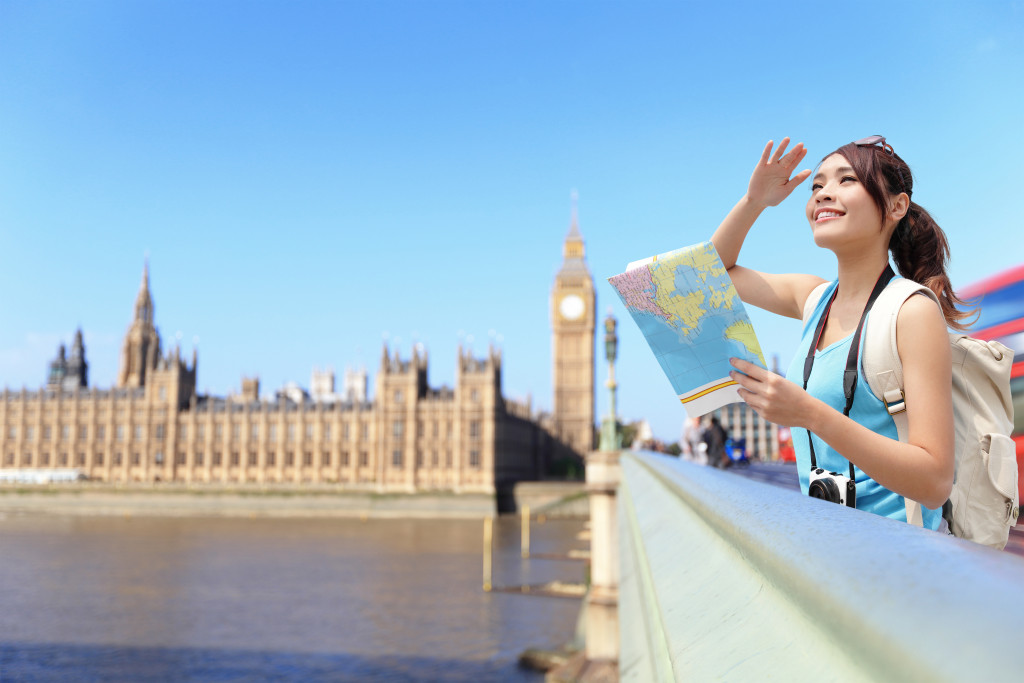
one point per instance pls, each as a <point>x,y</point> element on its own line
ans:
<point>693,319</point>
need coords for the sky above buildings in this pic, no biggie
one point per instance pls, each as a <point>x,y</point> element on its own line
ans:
<point>310,179</point>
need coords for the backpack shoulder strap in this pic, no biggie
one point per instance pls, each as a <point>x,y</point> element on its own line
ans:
<point>881,357</point>
<point>883,368</point>
<point>813,298</point>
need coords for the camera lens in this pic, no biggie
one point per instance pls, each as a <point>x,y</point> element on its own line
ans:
<point>825,489</point>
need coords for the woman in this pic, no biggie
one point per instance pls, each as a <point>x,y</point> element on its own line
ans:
<point>860,209</point>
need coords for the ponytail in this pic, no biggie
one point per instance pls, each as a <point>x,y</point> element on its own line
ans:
<point>920,251</point>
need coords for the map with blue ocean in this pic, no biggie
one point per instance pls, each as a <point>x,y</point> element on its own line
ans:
<point>693,319</point>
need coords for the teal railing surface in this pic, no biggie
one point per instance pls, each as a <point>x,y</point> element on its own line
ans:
<point>723,578</point>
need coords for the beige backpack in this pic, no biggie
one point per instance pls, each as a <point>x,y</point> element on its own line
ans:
<point>984,503</point>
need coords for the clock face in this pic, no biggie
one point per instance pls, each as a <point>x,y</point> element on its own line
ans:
<point>572,307</point>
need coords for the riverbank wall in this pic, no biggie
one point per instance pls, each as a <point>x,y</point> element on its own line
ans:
<point>169,500</point>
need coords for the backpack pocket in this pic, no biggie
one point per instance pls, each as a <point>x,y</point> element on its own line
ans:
<point>985,500</point>
<point>1002,464</point>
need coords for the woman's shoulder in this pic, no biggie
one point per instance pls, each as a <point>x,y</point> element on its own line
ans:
<point>921,309</point>
<point>921,328</point>
<point>816,291</point>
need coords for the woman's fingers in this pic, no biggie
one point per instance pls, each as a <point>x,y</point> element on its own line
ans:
<point>780,151</point>
<point>748,368</point>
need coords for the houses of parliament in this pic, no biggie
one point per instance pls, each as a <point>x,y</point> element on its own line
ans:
<point>154,426</point>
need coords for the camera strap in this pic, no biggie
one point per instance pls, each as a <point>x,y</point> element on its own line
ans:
<point>850,374</point>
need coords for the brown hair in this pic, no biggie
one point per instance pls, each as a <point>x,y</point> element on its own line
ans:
<point>918,245</point>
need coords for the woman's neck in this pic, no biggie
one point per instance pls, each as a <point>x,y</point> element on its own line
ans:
<point>858,275</point>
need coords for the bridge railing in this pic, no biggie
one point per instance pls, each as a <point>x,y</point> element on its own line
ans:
<point>722,578</point>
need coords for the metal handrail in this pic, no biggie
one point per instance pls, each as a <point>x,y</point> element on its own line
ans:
<point>722,578</point>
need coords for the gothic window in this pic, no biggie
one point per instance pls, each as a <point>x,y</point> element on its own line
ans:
<point>327,432</point>
<point>234,458</point>
<point>396,458</point>
<point>9,459</point>
<point>289,459</point>
<point>474,459</point>
<point>271,458</point>
<point>159,432</point>
<point>135,458</point>
<point>309,432</point>
<point>253,461</point>
<point>201,431</point>
<point>236,431</point>
<point>433,458</point>
<point>291,432</point>
<point>307,459</point>
<point>159,458</point>
<point>30,433</point>
<point>65,433</point>
<point>419,458</point>
<point>118,458</point>
<point>101,433</point>
<point>474,396</point>
<point>364,459</point>
<point>138,432</point>
<point>344,431</point>
<point>325,458</point>
<point>398,395</point>
<point>45,459</point>
<point>99,458</point>
<point>120,433</point>
<point>434,428</point>
<point>216,459</point>
<point>81,459</point>
<point>344,458</point>
<point>218,431</point>
<point>273,432</point>
<point>474,429</point>
<point>180,458</point>
<point>12,433</point>
<point>83,432</point>
<point>396,429</point>
<point>448,458</point>
<point>366,431</point>
<point>254,431</point>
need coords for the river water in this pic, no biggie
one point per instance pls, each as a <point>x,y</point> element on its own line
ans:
<point>218,599</point>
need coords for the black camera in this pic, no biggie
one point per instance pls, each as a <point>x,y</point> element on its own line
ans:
<point>833,487</point>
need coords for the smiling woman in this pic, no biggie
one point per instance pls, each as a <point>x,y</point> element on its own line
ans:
<point>847,444</point>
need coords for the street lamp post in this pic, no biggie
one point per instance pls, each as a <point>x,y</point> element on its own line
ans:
<point>611,437</point>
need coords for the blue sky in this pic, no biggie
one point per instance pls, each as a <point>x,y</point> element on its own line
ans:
<point>310,178</point>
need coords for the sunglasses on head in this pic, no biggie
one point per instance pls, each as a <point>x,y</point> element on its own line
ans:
<point>879,141</point>
<point>875,140</point>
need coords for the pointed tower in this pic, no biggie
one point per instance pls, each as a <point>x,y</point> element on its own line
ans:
<point>572,344</point>
<point>78,368</point>
<point>140,351</point>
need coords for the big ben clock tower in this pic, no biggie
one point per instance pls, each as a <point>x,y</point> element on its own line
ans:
<point>572,345</point>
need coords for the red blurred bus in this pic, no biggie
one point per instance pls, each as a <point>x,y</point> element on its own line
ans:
<point>1001,298</point>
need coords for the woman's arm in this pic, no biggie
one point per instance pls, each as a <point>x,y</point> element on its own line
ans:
<point>922,468</point>
<point>770,183</point>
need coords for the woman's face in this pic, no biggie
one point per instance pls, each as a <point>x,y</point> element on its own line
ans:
<point>840,209</point>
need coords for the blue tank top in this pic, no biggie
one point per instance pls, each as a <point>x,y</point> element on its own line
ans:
<point>826,384</point>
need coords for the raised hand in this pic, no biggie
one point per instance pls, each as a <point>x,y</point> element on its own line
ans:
<point>771,183</point>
